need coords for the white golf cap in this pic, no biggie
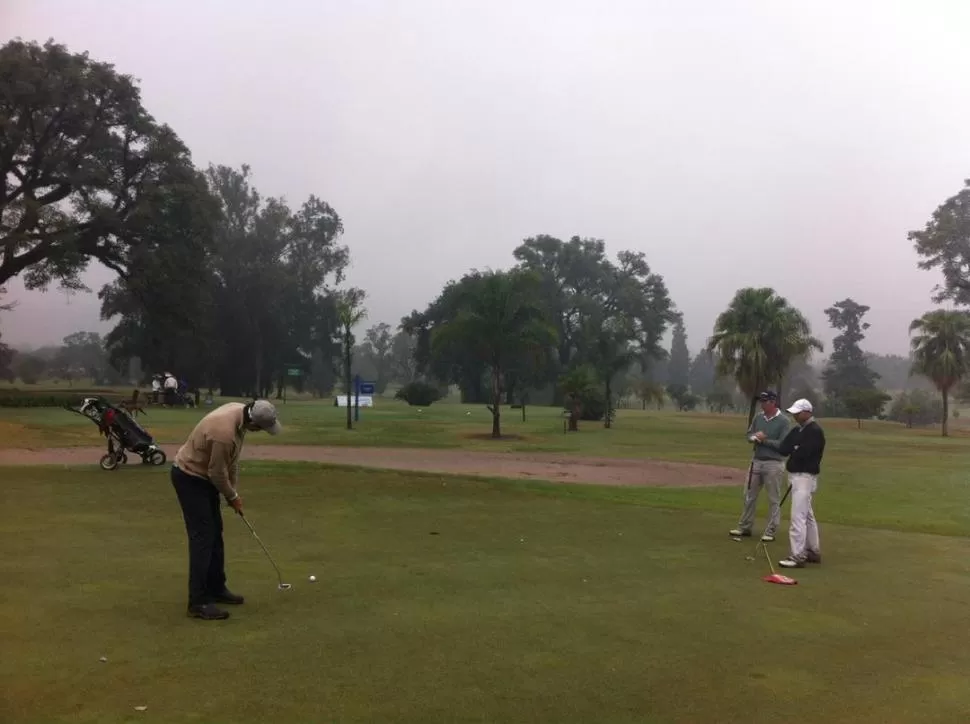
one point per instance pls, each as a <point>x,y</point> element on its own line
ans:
<point>802,405</point>
<point>264,417</point>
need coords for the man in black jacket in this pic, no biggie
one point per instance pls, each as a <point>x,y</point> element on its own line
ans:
<point>804,446</point>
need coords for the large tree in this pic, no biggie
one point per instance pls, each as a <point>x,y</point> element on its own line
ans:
<point>498,324</point>
<point>582,287</point>
<point>847,372</point>
<point>941,351</point>
<point>85,167</point>
<point>756,339</point>
<point>240,304</point>
<point>944,243</point>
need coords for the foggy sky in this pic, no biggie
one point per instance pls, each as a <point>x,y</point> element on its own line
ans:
<point>737,143</point>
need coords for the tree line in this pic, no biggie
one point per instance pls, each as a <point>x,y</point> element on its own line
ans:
<point>233,289</point>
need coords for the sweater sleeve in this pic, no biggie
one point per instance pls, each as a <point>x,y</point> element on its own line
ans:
<point>221,469</point>
<point>787,445</point>
<point>783,430</point>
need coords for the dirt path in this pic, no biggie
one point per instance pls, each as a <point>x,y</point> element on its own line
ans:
<point>556,468</point>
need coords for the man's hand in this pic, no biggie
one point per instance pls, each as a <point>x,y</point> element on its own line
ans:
<point>760,436</point>
<point>236,504</point>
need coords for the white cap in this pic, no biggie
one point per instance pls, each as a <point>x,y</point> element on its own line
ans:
<point>263,415</point>
<point>802,405</point>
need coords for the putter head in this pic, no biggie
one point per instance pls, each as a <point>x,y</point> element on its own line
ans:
<point>284,586</point>
<point>779,578</point>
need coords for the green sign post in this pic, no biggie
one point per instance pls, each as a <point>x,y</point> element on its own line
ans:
<point>291,371</point>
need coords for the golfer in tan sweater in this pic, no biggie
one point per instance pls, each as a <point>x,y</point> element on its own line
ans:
<point>207,467</point>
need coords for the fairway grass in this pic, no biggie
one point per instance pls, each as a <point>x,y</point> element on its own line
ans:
<point>442,599</point>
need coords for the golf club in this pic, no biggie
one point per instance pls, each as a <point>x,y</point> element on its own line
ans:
<point>760,542</point>
<point>282,586</point>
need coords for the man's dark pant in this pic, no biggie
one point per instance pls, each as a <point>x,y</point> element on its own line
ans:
<point>203,522</point>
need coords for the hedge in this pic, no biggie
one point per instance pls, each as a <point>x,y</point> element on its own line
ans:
<point>45,398</point>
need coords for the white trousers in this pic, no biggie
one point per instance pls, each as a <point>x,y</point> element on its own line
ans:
<point>803,529</point>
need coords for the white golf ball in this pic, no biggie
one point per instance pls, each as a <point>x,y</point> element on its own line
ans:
<point>313,578</point>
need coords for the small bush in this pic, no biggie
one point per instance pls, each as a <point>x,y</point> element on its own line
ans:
<point>418,394</point>
<point>592,405</point>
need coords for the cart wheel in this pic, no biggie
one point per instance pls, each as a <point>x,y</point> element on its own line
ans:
<point>109,462</point>
<point>157,457</point>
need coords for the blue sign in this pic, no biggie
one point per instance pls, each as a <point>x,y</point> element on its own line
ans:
<point>367,388</point>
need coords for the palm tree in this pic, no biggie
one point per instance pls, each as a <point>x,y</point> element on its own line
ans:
<point>349,314</point>
<point>941,351</point>
<point>611,352</point>
<point>756,339</point>
<point>499,323</point>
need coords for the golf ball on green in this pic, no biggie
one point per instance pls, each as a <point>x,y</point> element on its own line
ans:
<point>313,578</point>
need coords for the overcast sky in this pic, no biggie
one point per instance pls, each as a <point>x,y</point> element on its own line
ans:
<point>735,142</point>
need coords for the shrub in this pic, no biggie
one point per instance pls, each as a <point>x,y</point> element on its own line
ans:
<point>580,384</point>
<point>418,394</point>
<point>592,405</point>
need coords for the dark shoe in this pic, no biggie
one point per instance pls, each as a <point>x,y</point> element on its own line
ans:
<point>229,597</point>
<point>208,612</point>
<point>813,557</point>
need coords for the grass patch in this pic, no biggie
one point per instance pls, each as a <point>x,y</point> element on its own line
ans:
<point>532,603</point>
<point>690,437</point>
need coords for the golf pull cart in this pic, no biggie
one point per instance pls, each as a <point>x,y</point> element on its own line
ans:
<point>123,434</point>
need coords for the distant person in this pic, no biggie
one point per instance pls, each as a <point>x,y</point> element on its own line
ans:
<point>170,386</point>
<point>207,466</point>
<point>156,388</point>
<point>767,431</point>
<point>804,446</point>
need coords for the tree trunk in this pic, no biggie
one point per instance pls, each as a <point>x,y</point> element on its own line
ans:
<point>350,419</point>
<point>607,421</point>
<point>574,412</point>
<point>259,371</point>
<point>946,411</point>
<point>496,403</point>
<point>751,409</point>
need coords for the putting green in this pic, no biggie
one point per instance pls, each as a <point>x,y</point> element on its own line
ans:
<point>443,599</point>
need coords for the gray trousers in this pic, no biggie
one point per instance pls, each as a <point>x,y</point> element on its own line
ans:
<point>766,474</point>
<point>803,531</point>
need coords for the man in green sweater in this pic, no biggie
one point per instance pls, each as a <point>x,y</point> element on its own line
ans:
<point>767,469</point>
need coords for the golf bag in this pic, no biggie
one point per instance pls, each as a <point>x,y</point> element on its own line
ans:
<point>123,434</point>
